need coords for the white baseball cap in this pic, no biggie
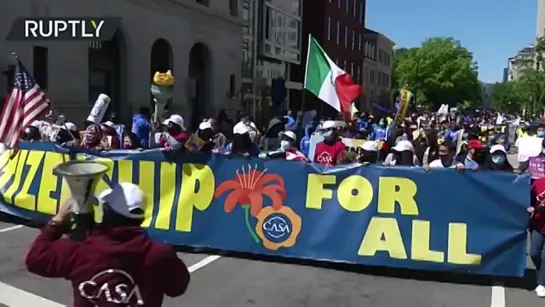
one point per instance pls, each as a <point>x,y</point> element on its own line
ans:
<point>403,146</point>
<point>328,124</point>
<point>70,126</point>
<point>124,198</point>
<point>241,128</point>
<point>175,119</point>
<point>291,135</point>
<point>498,147</point>
<point>369,146</point>
<point>205,125</point>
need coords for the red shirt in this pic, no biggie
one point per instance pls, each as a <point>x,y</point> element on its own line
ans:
<point>114,267</point>
<point>328,154</point>
<point>538,200</point>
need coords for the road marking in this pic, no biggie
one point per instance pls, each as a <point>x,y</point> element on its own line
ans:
<point>15,297</point>
<point>201,264</point>
<point>498,295</point>
<point>11,228</point>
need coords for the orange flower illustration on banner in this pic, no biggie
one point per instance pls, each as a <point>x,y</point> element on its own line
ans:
<point>247,189</point>
<point>278,228</point>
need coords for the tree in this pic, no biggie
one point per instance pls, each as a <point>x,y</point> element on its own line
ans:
<point>441,71</point>
<point>506,97</point>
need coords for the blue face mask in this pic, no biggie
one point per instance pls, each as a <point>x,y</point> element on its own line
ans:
<point>541,134</point>
<point>498,159</point>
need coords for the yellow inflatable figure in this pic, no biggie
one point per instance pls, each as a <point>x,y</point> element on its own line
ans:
<point>163,79</point>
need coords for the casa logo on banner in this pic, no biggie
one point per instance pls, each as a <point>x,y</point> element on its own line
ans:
<point>277,225</point>
<point>61,28</point>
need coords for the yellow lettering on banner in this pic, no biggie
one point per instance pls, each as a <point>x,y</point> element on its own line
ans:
<point>147,184</point>
<point>316,192</point>
<point>355,193</point>
<point>16,168</point>
<point>124,171</point>
<point>379,228</point>
<point>48,183</point>
<point>167,190</point>
<point>23,198</point>
<point>102,185</point>
<point>420,246</point>
<point>8,171</point>
<point>192,195</point>
<point>392,190</point>
<point>4,158</point>
<point>457,246</point>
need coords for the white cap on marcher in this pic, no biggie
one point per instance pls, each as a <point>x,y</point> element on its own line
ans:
<point>124,198</point>
<point>498,147</point>
<point>205,125</point>
<point>369,146</point>
<point>109,124</point>
<point>290,134</point>
<point>175,119</point>
<point>328,124</point>
<point>403,146</point>
<point>70,126</point>
<point>241,128</point>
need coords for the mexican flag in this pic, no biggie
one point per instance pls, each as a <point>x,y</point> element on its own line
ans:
<point>327,81</point>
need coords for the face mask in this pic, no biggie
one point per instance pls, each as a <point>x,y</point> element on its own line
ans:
<point>541,134</point>
<point>498,159</point>
<point>285,145</point>
<point>328,134</point>
<point>446,160</point>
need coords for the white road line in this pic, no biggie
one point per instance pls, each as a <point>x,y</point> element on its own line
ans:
<point>201,264</point>
<point>15,297</point>
<point>11,228</point>
<point>498,295</point>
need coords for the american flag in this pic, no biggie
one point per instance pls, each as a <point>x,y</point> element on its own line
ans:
<point>25,104</point>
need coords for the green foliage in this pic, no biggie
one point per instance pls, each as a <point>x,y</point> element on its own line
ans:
<point>528,91</point>
<point>440,71</point>
<point>506,98</point>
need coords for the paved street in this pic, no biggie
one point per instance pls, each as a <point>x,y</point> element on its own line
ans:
<point>229,281</point>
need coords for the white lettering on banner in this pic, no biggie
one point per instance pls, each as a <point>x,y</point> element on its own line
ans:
<point>276,227</point>
<point>99,289</point>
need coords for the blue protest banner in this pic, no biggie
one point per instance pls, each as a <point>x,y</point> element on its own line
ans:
<point>471,222</point>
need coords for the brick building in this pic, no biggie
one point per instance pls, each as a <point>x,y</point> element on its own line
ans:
<point>339,26</point>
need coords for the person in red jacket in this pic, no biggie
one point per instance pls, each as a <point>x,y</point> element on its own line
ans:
<point>116,265</point>
<point>537,232</point>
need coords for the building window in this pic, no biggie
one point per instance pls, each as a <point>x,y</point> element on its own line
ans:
<point>40,64</point>
<point>355,12</point>
<point>352,70</point>
<point>338,33</point>
<point>379,78</point>
<point>233,7</point>
<point>353,40</point>
<point>347,7</point>
<point>380,55</point>
<point>344,65</point>
<point>339,3</point>
<point>329,28</point>
<point>361,13</point>
<point>359,42</point>
<point>345,37</point>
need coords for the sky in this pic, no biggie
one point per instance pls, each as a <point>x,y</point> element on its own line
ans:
<point>493,30</point>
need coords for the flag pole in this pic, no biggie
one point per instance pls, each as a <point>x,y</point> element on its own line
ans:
<point>16,56</point>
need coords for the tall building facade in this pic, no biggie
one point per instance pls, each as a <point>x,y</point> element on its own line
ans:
<point>277,33</point>
<point>540,22</point>
<point>377,69</point>
<point>339,27</point>
<point>198,40</point>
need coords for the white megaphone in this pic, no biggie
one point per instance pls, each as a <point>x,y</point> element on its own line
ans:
<point>81,177</point>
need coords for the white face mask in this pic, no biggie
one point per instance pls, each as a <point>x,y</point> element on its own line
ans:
<point>285,145</point>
